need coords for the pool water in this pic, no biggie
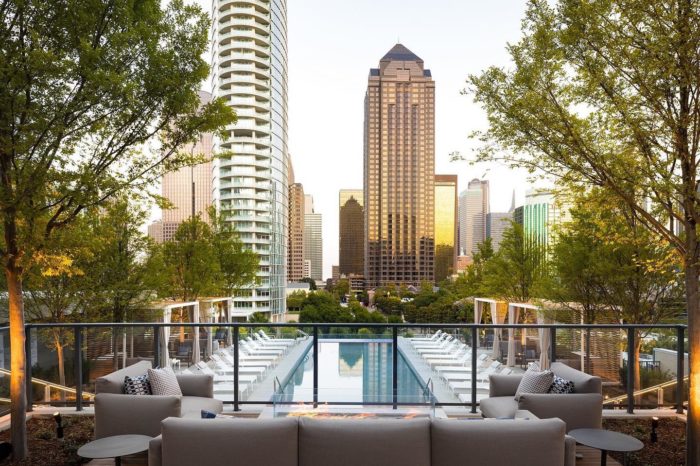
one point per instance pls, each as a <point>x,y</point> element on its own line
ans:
<point>353,371</point>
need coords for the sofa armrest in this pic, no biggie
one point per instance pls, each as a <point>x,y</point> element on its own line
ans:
<point>577,410</point>
<point>503,385</point>
<point>132,414</point>
<point>196,385</point>
<point>155,451</point>
<point>569,452</point>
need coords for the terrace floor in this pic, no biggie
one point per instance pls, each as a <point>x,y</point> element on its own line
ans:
<point>591,457</point>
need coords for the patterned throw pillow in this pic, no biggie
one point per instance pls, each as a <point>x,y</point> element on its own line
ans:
<point>164,382</point>
<point>561,385</point>
<point>534,381</point>
<point>138,385</point>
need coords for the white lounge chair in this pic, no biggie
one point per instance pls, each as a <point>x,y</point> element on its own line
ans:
<point>443,340</point>
<point>260,351</point>
<point>264,346</point>
<point>432,337</point>
<point>275,339</point>
<point>274,343</point>
<point>461,387</point>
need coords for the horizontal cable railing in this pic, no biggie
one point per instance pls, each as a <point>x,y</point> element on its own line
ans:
<point>95,349</point>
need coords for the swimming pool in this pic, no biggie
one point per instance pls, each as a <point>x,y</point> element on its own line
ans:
<point>353,371</point>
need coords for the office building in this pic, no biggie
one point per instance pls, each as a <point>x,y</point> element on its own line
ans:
<point>445,226</point>
<point>313,240</point>
<point>295,249</point>
<point>496,224</point>
<point>399,170</point>
<point>542,212</point>
<point>249,71</point>
<point>473,207</point>
<point>351,233</point>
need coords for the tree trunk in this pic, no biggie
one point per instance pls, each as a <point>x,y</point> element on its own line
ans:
<point>61,362</point>
<point>693,306</point>
<point>18,376</point>
<point>638,365</point>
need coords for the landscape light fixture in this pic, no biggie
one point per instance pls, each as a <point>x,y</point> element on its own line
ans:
<point>654,425</point>
<point>59,425</point>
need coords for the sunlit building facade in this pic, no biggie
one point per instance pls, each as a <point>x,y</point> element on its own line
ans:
<point>399,170</point>
<point>473,207</point>
<point>249,65</point>
<point>313,240</point>
<point>445,226</point>
<point>351,237</point>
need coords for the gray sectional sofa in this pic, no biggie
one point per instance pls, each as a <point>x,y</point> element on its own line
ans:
<point>369,442</point>
<point>581,409</point>
<point>120,414</point>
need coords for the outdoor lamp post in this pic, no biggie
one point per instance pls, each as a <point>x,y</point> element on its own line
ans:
<point>654,425</point>
<point>59,425</point>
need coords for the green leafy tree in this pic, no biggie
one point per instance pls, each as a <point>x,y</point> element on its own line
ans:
<point>238,265</point>
<point>295,301</point>
<point>605,93</point>
<point>85,87</point>
<point>258,318</point>
<point>191,263</point>
<point>515,271</point>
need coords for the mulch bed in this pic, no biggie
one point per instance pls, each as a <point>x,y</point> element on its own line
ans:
<point>669,450</point>
<point>45,449</point>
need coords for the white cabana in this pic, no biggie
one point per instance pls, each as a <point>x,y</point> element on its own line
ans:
<point>545,340</point>
<point>498,314</point>
<point>167,308</point>
<point>211,314</point>
<point>513,315</point>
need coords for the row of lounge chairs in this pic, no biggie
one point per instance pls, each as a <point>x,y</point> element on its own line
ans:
<point>258,353</point>
<point>450,360</point>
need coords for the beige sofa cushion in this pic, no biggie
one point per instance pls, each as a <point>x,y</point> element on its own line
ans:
<point>114,382</point>
<point>371,442</point>
<point>234,442</point>
<point>497,442</point>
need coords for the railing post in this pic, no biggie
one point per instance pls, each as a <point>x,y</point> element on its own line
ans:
<point>553,345</point>
<point>630,369</point>
<point>156,346</point>
<point>394,366</point>
<point>680,369</point>
<point>236,382</point>
<point>78,369</point>
<point>28,366</point>
<point>474,337</point>
<point>315,350</point>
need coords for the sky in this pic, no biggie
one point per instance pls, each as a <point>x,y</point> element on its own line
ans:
<point>332,46</point>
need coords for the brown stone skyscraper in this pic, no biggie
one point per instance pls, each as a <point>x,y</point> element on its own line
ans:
<point>399,170</point>
<point>351,240</point>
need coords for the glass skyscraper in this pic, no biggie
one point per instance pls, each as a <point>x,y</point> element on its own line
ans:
<point>250,185</point>
<point>445,226</point>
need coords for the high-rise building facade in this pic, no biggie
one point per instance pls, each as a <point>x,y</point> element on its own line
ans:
<point>445,226</point>
<point>189,189</point>
<point>295,249</point>
<point>496,224</point>
<point>249,65</point>
<point>541,213</point>
<point>399,170</point>
<point>313,240</point>
<point>473,207</point>
<point>351,237</point>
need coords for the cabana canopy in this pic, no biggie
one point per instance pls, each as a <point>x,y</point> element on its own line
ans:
<point>167,308</point>
<point>514,310</point>
<point>499,310</point>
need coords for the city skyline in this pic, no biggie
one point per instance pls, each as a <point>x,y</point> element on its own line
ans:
<point>468,41</point>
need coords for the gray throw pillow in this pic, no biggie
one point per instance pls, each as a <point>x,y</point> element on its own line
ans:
<point>534,381</point>
<point>164,382</point>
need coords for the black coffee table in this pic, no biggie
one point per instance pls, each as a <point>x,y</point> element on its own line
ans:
<point>605,441</point>
<point>115,447</point>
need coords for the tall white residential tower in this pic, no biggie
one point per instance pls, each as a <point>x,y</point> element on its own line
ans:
<point>250,186</point>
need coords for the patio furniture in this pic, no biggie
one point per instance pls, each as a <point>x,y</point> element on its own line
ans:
<point>120,414</point>
<point>581,409</point>
<point>115,447</point>
<point>605,441</point>
<point>370,442</point>
<point>184,352</point>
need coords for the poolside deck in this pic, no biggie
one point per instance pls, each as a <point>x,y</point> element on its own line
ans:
<point>442,392</point>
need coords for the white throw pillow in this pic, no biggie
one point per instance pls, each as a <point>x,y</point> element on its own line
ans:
<point>164,382</point>
<point>534,381</point>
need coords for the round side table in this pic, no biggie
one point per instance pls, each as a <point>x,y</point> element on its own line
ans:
<point>605,441</point>
<point>115,447</point>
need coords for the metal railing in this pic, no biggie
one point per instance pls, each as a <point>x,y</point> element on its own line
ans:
<point>316,332</point>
